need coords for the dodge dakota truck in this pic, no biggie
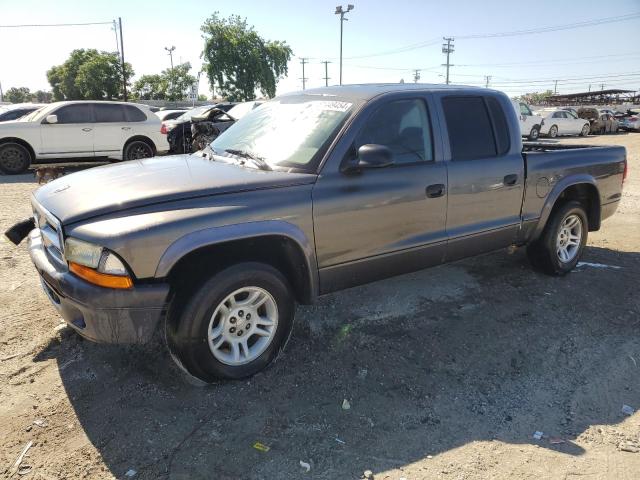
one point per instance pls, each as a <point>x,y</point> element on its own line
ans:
<point>310,193</point>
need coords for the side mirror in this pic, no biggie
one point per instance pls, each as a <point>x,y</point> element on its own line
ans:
<point>370,156</point>
<point>52,119</point>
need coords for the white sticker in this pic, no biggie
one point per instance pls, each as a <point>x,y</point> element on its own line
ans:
<point>334,105</point>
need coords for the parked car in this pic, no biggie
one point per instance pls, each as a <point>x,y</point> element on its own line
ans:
<point>570,109</point>
<point>630,122</point>
<point>606,123</point>
<point>313,192</point>
<point>185,137</point>
<point>530,123</point>
<point>169,114</point>
<point>80,129</point>
<point>17,110</point>
<point>557,122</point>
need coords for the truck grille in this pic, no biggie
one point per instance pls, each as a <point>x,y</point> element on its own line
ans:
<point>51,232</point>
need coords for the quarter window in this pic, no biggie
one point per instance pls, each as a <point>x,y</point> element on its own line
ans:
<point>469,126</point>
<point>75,113</point>
<point>403,126</point>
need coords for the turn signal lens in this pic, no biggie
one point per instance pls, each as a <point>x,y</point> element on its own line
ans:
<point>100,279</point>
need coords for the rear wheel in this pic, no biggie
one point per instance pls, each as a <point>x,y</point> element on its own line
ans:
<point>585,130</point>
<point>137,150</point>
<point>562,242</point>
<point>534,133</point>
<point>553,131</point>
<point>234,325</point>
<point>14,158</point>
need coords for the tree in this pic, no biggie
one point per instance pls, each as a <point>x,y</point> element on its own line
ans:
<point>535,98</point>
<point>238,61</point>
<point>88,75</point>
<point>17,95</point>
<point>169,85</point>
<point>42,96</point>
<point>202,98</point>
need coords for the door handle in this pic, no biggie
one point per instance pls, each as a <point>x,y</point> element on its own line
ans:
<point>126,128</point>
<point>435,190</point>
<point>87,129</point>
<point>510,179</point>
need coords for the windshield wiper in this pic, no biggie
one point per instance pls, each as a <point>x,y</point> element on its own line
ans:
<point>257,161</point>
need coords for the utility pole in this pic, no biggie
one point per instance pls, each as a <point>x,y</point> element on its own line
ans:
<point>589,88</point>
<point>1,94</point>
<point>555,89</point>
<point>115,30</point>
<point>340,11</point>
<point>124,72</point>
<point>416,76</point>
<point>487,79</point>
<point>448,49</point>
<point>601,86</point>
<point>326,73</point>
<point>303,62</point>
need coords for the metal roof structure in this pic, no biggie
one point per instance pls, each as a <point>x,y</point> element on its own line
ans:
<point>598,97</point>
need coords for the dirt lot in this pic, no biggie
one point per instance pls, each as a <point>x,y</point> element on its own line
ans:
<point>449,372</point>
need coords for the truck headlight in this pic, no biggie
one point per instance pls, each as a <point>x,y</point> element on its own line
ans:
<point>96,264</point>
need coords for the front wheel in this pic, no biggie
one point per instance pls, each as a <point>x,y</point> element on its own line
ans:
<point>14,158</point>
<point>138,149</point>
<point>562,242</point>
<point>234,325</point>
<point>585,130</point>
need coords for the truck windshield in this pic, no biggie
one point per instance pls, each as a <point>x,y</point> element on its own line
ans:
<point>289,132</point>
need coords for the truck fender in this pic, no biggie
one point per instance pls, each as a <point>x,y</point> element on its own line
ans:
<point>555,193</point>
<point>217,235</point>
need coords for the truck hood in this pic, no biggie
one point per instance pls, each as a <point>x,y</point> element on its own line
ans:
<point>111,188</point>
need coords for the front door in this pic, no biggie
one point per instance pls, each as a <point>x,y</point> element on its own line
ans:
<point>380,222</point>
<point>71,136</point>
<point>486,176</point>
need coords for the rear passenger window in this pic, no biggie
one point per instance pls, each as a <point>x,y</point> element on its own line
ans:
<point>134,114</point>
<point>469,126</point>
<point>403,126</point>
<point>500,125</point>
<point>109,112</point>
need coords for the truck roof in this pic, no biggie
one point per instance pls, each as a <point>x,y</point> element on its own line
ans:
<point>367,91</point>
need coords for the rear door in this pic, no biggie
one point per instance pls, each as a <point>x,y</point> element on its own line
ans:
<point>110,128</point>
<point>485,174</point>
<point>72,136</point>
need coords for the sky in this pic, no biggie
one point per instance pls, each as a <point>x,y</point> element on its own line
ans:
<point>383,41</point>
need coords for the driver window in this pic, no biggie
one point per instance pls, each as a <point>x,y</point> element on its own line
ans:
<point>403,127</point>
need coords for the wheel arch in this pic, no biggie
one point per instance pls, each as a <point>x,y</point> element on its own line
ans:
<point>279,244</point>
<point>142,138</point>
<point>582,188</point>
<point>22,142</point>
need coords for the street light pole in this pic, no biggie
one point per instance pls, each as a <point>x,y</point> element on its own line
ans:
<point>170,50</point>
<point>340,11</point>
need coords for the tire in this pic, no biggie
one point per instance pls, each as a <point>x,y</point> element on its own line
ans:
<point>137,150</point>
<point>14,158</point>
<point>585,130</point>
<point>534,133</point>
<point>210,358</point>
<point>553,131</point>
<point>545,254</point>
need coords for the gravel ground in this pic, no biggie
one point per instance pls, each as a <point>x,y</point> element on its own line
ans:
<point>448,372</point>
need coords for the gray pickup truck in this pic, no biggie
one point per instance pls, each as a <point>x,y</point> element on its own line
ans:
<point>310,193</point>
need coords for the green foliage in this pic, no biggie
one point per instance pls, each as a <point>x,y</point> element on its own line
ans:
<point>17,95</point>
<point>238,61</point>
<point>88,75</point>
<point>169,85</point>
<point>535,98</point>
<point>42,96</point>
<point>202,98</point>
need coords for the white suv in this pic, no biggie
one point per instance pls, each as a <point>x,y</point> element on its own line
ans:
<point>81,129</point>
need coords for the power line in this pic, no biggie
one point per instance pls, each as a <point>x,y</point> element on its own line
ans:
<point>56,24</point>
<point>544,62</point>
<point>407,48</point>
<point>555,28</point>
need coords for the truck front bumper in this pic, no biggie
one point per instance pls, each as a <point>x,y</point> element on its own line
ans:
<point>100,314</point>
